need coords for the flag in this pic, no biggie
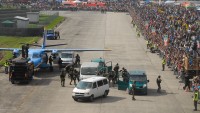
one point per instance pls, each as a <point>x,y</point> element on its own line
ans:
<point>165,37</point>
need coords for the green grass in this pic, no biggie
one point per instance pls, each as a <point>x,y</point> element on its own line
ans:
<point>43,17</point>
<point>54,22</point>
<point>13,42</point>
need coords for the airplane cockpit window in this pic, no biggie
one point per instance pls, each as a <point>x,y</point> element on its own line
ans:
<point>36,56</point>
<point>50,31</point>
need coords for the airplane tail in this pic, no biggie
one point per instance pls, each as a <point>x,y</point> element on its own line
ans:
<point>44,39</point>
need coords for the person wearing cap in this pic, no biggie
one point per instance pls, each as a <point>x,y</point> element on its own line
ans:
<point>158,81</point>
<point>196,98</point>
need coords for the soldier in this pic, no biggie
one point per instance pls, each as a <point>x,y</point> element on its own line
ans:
<point>76,74</point>
<point>124,74</point>
<point>133,90</point>
<point>111,77</point>
<point>50,61</point>
<point>72,76</point>
<point>163,64</point>
<point>60,63</point>
<point>158,81</point>
<point>116,69</point>
<point>62,77</point>
<point>77,62</point>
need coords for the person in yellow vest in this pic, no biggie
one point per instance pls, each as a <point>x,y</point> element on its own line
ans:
<point>163,64</point>
<point>147,44</point>
<point>6,65</point>
<point>196,98</point>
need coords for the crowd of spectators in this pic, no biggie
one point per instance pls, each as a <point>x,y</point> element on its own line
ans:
<point>174,30</point>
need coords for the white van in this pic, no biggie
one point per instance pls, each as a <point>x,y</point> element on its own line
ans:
<point>67,57</point>
<point>88,69</point>
<point>91,88</point>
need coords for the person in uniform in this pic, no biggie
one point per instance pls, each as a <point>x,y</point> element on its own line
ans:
<point>60,63</point>
<point>196,98</point>
<point>72,76</point>
<point>76,74</point>
<point>124,74</point>
<point>133,90</point>
<point>50,60</point>
<point>6,65</point>
<point>62,77</point>
<point>116,69</point>
<point>111,77</point>
<point>77,62</point>
<point>158,81</point>
<point>163,64</point>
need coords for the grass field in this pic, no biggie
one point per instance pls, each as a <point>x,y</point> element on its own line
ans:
<point>54,22</point>
<point>13,42</point>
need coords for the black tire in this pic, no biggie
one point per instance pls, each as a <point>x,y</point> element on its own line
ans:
<point>75,99</point>
<point>12,81</point>
<point>91,98</point>
<point>105,94</point>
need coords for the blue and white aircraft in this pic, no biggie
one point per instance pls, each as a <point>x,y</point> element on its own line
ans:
<point>39,56</point>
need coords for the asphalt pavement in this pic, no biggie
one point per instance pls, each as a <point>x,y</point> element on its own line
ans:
<point>114,31</point>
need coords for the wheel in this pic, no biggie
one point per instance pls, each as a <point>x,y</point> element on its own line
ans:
<point>12,81</point>
<point>105,94</point>
<point>75,99</point>
<point>91,98</point>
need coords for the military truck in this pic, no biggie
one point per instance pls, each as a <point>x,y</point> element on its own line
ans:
<point>52,35</point>
<point>21,71</point>
<point>104,67</point>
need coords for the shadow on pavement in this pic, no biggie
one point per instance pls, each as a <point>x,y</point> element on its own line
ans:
<point>144,100</point>
<point>47,74</point>
<point>108,99</point>
<point>36,82</point>
<point>153,92</point>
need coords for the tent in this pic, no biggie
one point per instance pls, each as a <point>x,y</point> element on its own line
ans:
<point>8,23</point>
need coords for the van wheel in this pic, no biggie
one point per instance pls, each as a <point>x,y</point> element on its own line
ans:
<point>12,81</point>
<point>105,94</point>
<point>92,98</point>
<point>75,99</point>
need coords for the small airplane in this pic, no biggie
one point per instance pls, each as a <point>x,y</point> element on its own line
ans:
<point>39,57</point>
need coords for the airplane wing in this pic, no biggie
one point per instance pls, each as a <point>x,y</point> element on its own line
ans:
<point>77,50</point>
<point>10,49</point>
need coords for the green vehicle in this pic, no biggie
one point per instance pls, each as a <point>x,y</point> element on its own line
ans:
<point>104,67</point>
<point>141,81</point>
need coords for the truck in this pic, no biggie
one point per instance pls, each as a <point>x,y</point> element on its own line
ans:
<point>96,67</point>
<point>21,71</point>
<point>104,67</point>
<point>51,34</point>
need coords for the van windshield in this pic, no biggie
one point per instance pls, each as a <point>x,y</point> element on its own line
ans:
<point>88,71</point>
<point>84,85</point>
<point>138,78</point>
<point>66,55</point>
